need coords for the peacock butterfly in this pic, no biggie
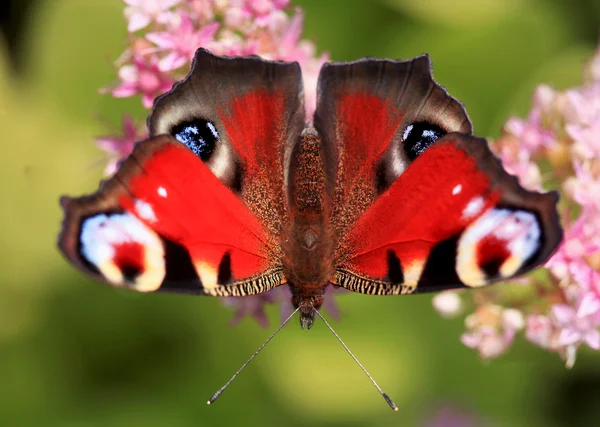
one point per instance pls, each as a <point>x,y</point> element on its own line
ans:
<point>386,192</point>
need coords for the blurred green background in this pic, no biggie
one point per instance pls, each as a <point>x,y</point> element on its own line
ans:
<point>74,353</point>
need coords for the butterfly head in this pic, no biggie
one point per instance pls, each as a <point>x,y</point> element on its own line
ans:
<point>307,305</point>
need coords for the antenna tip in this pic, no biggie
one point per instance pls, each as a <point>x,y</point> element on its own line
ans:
<point>390,401</point>
<point>209,402</point>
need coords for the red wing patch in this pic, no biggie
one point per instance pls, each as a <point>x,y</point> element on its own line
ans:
<point>201,215</point>
<point>255,125</point>
<point>367,124</point>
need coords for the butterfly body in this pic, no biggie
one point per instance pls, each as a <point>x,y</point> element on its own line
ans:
<point>309,263</point>
<point>385,193</point>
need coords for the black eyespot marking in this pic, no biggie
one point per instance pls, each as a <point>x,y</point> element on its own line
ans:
<point>395,273</point>
<point>491,268</point>
<point>198,135</point>
<point>130,272</point>
<point>418,136</point>
<point>224,276</point>
<point>381,181</point>
<point>238,178</point>
<point>180,275</point>
<point>440,269</point>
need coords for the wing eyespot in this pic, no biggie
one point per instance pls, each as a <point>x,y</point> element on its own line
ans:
<point>123,250</point>
<point>418,136</point>
<point>199,135</point>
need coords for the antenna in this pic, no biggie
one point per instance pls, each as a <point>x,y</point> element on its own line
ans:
<point>385,396</point>
<point>222,389</point>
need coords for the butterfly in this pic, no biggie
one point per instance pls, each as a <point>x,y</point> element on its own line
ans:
<point>384,192</point>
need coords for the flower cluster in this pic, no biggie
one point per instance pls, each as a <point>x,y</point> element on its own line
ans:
<point>558,144</point>
<point>165,34</point>
<point>163,37</point>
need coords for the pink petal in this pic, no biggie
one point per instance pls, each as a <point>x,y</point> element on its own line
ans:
<point>167,4</point>
<point>147,100</point>
<point>470,340</point>
<point>124,91</point>
<point>563,313</point>
<point>134,2</point>
<point>128,73</point>
<point>592,339</point>
<point>162,40</point>
<point>171,62</point>
<point>515,126</point>
<point>330,305</point>
<point>186,24</point>
<point>129,128</point>
<point>293,33</point>
<point>281,4</point>
<point>137,21</point>
<point>569,336</point>
<point>208,31</point>
<point>539,329</point>
<point>512,319</point>
<point>111,167</point>
<point>588,305</point>
<point>260,7</point>
<point>107,143</point>
<point>492,346</point>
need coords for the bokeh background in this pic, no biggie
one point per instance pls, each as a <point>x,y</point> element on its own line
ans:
<point>74,353</point>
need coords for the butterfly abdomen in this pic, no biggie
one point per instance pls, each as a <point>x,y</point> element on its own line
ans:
<point>308,244</point>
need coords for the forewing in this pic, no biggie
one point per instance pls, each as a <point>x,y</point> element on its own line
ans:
<point>363,110</point>
<point>165,222</point>
<point>254,109</point>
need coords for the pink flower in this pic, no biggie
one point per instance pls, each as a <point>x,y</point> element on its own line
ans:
<point>540,330</point>
<point>254,305</point>
<point>580,242</point>
<point>587,143</point>
<point>119,146</point>
<point>492,329</point>
<point>451,416</point>
<point>583,104</point>
<point>562,131</point>
<point>140,13</point>
<point>517,161</point>
<point>584,187</point>
<point>203,10</point>
<point>290,47</point>
<point>579,324</point>
<point>586,276</point>
<point>182,41</point>
<point>142,77</point>
<point>533,133</point>
<point>238,18</point>
<point>265,7</point>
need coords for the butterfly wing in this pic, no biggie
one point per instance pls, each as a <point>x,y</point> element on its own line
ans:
<point>362,111</point>
<point>198,207</point>
<point>420,208</point>
<point>255,108</point>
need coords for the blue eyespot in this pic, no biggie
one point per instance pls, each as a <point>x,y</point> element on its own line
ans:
<point>418,136</point>
<point>198,135</point>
